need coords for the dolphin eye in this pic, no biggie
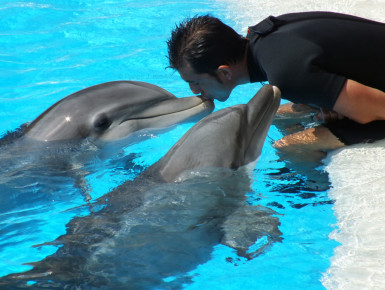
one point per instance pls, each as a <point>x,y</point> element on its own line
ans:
<point>102,122</point>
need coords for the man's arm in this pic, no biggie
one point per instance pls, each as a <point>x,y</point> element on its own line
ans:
<point>360,103</point>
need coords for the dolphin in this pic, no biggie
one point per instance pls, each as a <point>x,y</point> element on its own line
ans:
<point>72,130</point>
<point>114,110</point>
<point>149,232</point>
<point>82,127</point>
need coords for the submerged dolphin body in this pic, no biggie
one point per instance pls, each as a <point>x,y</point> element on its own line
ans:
<point>151,231</point>
<point>114,110</point>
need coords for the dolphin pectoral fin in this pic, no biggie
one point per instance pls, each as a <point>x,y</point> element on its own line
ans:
<point>251,230</point>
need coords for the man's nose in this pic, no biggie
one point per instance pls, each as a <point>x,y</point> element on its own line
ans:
<point>195,89</point>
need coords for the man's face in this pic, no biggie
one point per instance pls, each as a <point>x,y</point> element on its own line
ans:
<point>209,86</point>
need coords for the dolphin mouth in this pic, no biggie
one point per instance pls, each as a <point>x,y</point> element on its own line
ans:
<point>188,106</point>
<point>269,104</point>
<point>160,115</point>
<point>260,118</point>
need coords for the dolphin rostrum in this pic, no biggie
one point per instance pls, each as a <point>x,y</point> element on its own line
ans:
<point>150,232</point>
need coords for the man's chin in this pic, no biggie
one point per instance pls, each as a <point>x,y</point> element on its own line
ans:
<point>223,98</point>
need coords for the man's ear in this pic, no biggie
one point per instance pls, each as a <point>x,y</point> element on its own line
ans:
<point>225,71</point>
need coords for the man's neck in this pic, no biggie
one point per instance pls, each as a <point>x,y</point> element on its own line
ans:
<point>241,71</point>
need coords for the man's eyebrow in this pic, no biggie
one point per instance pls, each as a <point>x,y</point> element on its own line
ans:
<point>189,81</point>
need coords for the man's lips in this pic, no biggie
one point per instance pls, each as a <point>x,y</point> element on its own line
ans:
<point>205,98</point>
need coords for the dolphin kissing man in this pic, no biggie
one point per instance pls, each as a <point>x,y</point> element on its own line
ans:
<point>329,61</point>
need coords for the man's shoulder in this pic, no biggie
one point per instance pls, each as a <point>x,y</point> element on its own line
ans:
<point>272,23</point>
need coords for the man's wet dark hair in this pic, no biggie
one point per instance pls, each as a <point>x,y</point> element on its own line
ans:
<point>205,43</point>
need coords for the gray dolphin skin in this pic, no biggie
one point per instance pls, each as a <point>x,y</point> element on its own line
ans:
<point>230,138</point>
<point>114,110</point>
<point>150,232</point>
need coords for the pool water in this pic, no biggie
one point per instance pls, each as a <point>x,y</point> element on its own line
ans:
<point>51,49</point>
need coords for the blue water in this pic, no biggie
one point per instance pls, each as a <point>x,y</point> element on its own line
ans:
<point>50,49</point>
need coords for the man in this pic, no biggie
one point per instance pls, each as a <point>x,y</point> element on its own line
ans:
<point>327,60</point>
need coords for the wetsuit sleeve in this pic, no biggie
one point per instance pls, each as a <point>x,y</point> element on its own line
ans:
<point>296,68</point>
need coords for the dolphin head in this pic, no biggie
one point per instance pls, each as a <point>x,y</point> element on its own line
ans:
<point>114,110</point>
<point>228,138</point>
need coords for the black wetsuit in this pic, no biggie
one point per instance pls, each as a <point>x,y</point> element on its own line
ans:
<point>310,55</point>
<point>350,132</point>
